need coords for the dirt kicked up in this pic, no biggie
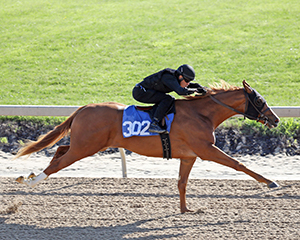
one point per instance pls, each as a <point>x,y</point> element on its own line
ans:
<point>148,208</point>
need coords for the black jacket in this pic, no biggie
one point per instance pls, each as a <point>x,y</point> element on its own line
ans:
<point>167,81</point>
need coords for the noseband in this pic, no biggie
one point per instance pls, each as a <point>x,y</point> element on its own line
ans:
<point>253,109</point>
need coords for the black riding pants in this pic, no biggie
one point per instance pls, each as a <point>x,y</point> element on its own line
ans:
<point>163,100</point>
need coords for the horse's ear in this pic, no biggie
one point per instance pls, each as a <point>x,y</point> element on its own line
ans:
<point>247,87</point>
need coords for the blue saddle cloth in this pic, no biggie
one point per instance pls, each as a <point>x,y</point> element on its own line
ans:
<point>137,123</point>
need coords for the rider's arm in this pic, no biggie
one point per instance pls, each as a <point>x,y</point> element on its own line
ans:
<point>200,89</point>
<point>172,83</point>
<point>194,85</point>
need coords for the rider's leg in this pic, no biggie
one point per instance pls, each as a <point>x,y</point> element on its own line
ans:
<point>163,100</point>
<point>163,106</point>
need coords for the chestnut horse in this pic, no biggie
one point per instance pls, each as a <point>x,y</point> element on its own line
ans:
<point>95,127</point>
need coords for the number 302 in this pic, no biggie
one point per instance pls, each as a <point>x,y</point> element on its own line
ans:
<point>136,128</point>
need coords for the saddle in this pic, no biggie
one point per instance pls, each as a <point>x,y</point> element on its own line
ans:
<point>165,138</point>
<point>151,109</point>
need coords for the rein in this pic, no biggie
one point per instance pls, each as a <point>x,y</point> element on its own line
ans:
<point>260,115</point>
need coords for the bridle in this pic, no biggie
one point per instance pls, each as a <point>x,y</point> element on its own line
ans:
<point>253,111</point>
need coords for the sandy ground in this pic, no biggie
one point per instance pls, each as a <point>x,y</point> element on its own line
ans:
<point>147,208</point>
<point>90,200</point>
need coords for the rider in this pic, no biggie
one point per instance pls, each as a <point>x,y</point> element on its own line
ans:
<point>154,89</point>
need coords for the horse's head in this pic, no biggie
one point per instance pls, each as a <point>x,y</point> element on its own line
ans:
<point>258,109</point>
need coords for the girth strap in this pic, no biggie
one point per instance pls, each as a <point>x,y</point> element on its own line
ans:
<point>166,145</point>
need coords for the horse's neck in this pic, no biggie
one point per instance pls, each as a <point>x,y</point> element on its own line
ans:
<point>216,112</point>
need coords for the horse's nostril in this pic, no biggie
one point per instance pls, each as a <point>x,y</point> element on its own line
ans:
<point>276,120</point>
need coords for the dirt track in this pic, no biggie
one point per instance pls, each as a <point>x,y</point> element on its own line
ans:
<point>145,208</point>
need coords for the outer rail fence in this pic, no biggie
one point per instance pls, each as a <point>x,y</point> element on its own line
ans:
<point>57,111</point>
<point>45,110</point>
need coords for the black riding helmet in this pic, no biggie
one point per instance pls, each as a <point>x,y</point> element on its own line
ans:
<point>187,72</point>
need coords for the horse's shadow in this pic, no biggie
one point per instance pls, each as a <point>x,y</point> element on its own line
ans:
<point>18,231</point>
<point>55,192</point>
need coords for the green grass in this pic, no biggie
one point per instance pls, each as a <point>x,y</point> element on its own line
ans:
<point>288,127</point>
<point>3,140</point>
<point>78,52</point>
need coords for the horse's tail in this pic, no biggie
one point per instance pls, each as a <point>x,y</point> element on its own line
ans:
<point>49,138</point>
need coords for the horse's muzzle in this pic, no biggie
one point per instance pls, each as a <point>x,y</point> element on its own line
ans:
<point>272,121</point>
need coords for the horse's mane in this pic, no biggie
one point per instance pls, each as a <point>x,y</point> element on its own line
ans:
<point>214,89</point>
<point>223,86</point>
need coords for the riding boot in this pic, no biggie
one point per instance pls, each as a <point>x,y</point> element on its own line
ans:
<point>156,128</point>
<point>159,114</point>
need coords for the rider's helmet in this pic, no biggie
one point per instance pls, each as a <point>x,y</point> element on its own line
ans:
<point>187,72</point>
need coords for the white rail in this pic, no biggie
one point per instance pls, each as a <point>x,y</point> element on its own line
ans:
<point>32,110</point>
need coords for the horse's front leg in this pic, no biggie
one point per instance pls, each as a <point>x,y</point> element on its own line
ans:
<point>184,172</point>
<point>213,153</point>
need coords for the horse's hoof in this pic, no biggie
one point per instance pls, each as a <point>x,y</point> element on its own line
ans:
<point>31,175</point>
<point>20,179</point>
<point>273,185</point>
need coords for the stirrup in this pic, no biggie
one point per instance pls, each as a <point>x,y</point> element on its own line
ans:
<point>155,128</point>
<point>160,131</point>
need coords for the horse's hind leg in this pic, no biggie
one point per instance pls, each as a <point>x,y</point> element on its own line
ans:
<point>71,156</point>
<point>55,165</point>
<point>184,172</point>
<point>32,180</point>
<point>61,150</point>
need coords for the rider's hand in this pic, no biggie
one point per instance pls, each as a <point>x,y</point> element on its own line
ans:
<point>201,91</point>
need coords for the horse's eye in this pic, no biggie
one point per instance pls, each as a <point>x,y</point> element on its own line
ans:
<point>258,101</point>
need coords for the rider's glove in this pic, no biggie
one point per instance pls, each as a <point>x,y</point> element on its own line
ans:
<point>201,91</point>
<point>192,91</point>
